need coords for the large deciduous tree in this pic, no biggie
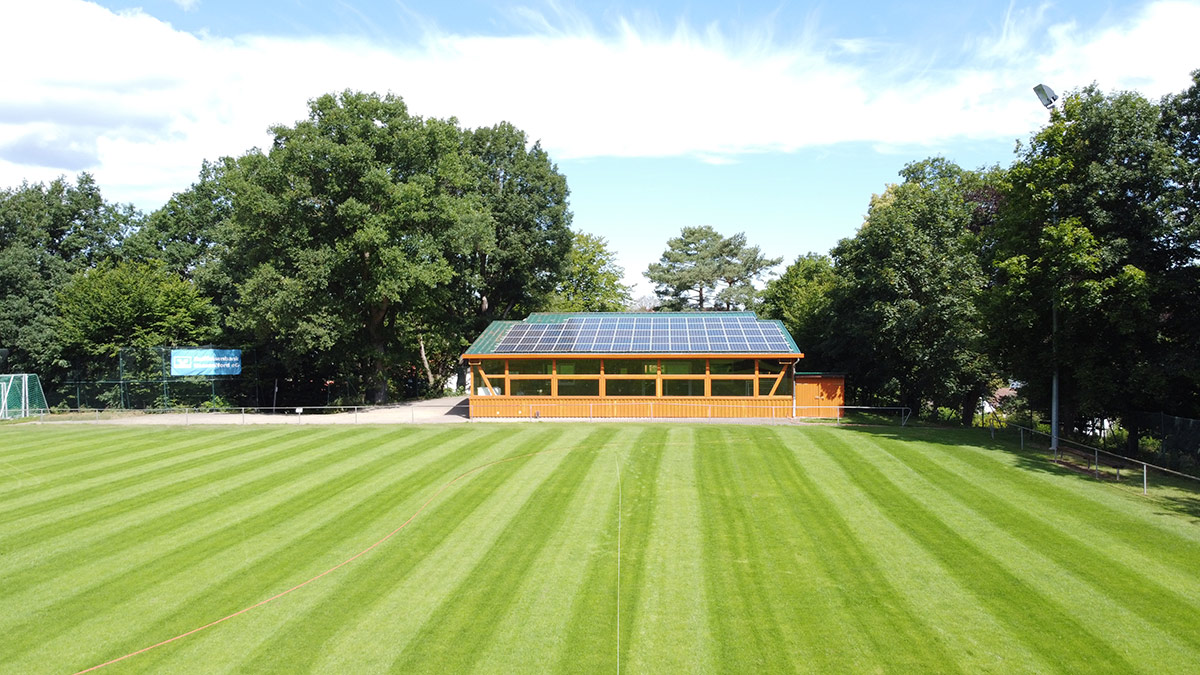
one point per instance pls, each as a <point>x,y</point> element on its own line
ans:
<point>113,306</point>
<point>591,281</point>
<point>516,257</point>
<point>1085,235</point>
<point>340,232</point>
<point>48,232</point>
<point>1181,282</point>
<point>906,315</point>
<point>801,297</point>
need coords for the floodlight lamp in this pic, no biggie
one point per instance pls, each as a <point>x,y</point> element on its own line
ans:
<point>1046,95</point>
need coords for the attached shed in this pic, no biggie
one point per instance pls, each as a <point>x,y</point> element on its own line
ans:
<point>820,394</point>
<point>601,365</point>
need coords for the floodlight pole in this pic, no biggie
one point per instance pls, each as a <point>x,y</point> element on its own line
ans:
<point>1047,96</point>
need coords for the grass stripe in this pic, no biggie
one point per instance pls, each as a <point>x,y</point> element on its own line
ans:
<point>441,549</point>
<point>104,483</point>
<point>1106,579</point>
<point>891,626</point>
<point>193,505</point>
<point>135,598</point>
<point>590,640</point>
<point>1040,622</point>
<point>533,636</point>
<point>742,578</point>
<point>66,516</point>
<point>21,442</point>
<point>384,504</point>
<point>976,640</point>
<point>670,629</point>
<point>469,620</point>
<point>1104,513</point>
<point>129,451</point>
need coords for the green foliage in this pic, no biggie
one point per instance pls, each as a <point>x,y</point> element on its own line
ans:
<point>108,308</point>
<point>591,281</point>
<point>801,298</point>
<point>340,233</point>
<point>1086,231</point>
<point>905,306</point>
<point>47,234</point>
<point>699,260</point>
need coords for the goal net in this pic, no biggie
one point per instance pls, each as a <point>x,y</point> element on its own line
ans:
<point>21,396</point>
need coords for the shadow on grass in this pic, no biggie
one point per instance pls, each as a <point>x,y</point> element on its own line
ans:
<point>1176,495</point>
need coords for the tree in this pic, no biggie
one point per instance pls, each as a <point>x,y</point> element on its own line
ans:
<point>340,234</point>
<point>592,279</point>
<point>1181,282</point>
<point>516,260</point>
<point>1084,235</point>
<point>700,259</point>
<point>905,306</point>
<point>801,297</point>
<point>48,232</point>
<point>688,269</point>
<point>113,306</point>
<point>739,266</point>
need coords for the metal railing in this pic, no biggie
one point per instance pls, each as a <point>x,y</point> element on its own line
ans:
<point>186,415</point>
<point>1093,454</point>
<point>429,411</point>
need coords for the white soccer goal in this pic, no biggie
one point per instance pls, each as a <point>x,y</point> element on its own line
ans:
<point>21,395</point>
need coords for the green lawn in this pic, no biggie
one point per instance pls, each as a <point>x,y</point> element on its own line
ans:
<point>742,549</point>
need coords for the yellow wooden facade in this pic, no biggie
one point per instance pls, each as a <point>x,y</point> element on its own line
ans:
<point>645,386</point>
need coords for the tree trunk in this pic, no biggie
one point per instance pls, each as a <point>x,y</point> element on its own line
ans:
<point>970,404</point>
<point>377,386</point>
<point>425,360</point>
<point>461,382</point>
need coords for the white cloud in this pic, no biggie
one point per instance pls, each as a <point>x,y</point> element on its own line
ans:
<point>146,103</point>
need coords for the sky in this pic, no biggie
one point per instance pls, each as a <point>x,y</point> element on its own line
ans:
<point>776,119</point>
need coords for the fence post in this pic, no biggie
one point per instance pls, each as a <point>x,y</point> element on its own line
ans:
<point>243,417</point>
<point>185,417</point>
<point>1145,472</point>
<point>356,414</point>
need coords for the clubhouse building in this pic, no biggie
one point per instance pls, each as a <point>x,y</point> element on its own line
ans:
<point>635,365</point>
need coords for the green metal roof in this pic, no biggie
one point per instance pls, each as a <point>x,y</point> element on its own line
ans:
<point>636,333</point>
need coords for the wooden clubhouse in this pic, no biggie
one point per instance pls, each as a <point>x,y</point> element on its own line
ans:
<point>603,365</point>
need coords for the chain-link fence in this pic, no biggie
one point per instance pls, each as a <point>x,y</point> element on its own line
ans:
<point>1175,439</point>
<point>139,378</point>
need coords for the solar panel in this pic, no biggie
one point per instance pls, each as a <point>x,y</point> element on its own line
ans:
<point>654,334</point>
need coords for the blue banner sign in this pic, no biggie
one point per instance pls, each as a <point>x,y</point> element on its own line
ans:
<point>206,362</point>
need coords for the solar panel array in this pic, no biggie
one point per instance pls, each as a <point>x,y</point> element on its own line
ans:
<point>646,334</point>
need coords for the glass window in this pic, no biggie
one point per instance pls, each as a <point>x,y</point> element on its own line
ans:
<point>492,367</point>
<point>765,384</point>
<point>529,366</point>
<point>529,387</point>
<point>683,387</point>
<point>630,367</point>
<point>731,367</point>
<point>733,387</point>
<point>579,366</point>
<point>579,387</point>
<point>497,389</point>
<point>629,387</point>
<point>683,366</point>
<point>770,367</point>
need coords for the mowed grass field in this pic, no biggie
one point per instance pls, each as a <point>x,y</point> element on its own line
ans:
<point>593,548</point>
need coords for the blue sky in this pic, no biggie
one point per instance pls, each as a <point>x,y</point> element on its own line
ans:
<point>777,119</point>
